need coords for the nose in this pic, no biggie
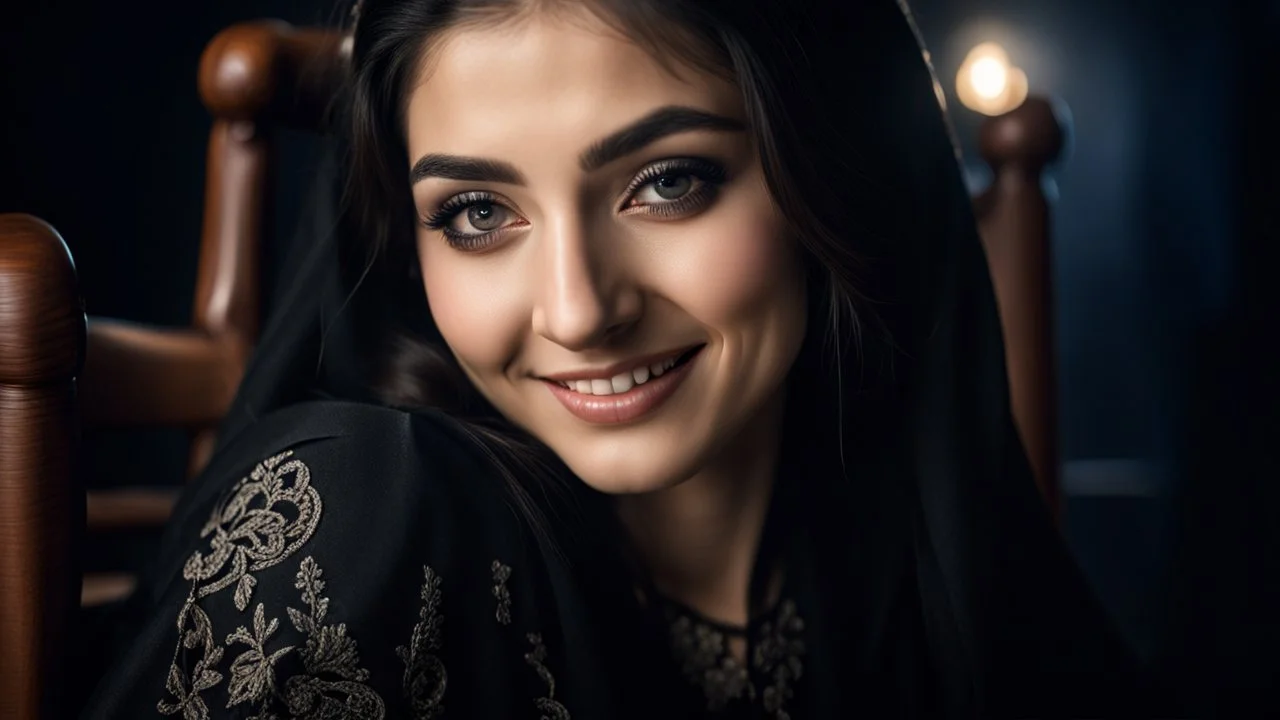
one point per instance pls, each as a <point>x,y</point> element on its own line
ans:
<point>585,297</point>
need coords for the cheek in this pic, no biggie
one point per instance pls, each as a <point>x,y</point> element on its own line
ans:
<point>739,269</point>
<point>475,305</point>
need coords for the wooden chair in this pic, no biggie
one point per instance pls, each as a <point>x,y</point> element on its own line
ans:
<point>1013,221</point>
<point>254,78</point>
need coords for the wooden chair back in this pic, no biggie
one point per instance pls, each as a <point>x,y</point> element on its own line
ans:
<point>42,345</point>
<point>255,78</point>
<point>1013,221</point>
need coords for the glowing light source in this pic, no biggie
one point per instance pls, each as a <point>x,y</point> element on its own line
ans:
<point>988,83</point>
<point>989,77</point>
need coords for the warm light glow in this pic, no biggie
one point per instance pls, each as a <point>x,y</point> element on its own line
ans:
<point>989,83</point>
<point>989,76</point>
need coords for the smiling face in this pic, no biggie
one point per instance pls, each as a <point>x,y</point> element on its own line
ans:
<point>599,248</point>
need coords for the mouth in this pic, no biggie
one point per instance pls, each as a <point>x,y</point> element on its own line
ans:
<point>620,395</point>
<point>618,382</point>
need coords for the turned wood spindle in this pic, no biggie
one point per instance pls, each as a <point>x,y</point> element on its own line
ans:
<point>1013,220</point>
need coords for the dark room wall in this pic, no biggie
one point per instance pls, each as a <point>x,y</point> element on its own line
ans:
<point>1144,248</point>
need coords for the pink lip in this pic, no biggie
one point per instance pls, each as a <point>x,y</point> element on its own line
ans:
<point>622,407</point>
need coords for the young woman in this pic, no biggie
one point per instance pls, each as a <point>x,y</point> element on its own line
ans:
<point>652,370</point>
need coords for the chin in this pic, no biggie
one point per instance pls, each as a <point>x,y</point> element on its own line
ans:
<point>634,485</point>
<point>614,471</point>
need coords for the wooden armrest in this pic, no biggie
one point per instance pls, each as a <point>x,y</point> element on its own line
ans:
<point>104,588</point>
<point>137,376</point>
<point>271,72</point>
<point>129,508</point>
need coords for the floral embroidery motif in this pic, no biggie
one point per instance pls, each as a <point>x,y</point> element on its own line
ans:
<point>550,708</point>
<point>333,686</point>
<point>265,519</point>
<point>501,573</point>
<point>777,657</point>
<point>194,631</point>
<point>253,677</point>
<point>775,660</point>
<point>425,678</point>
<point>262,522</point>
<point>705,661</point>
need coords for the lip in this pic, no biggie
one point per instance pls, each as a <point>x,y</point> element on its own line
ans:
<point>622,407</point>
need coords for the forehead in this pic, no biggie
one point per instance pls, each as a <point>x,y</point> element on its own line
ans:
<point>482,88</point>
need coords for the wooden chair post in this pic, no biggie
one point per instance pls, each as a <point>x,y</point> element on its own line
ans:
<point>1013,220</point>
<point>254,77</point>
<point>42,339</point>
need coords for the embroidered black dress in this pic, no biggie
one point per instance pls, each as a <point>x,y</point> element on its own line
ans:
<point>340,559</point>
<point>370,565</point>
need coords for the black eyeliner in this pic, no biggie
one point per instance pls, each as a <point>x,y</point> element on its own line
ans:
<point>701,168</point>
<point>451,208</point>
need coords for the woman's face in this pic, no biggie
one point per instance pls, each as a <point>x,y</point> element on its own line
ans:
<point>599,249</point>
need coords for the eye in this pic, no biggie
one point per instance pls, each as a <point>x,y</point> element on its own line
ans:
<point>674,187</point>
<point>471,221</point>
<point>484,217</point>
<point>666,188</point>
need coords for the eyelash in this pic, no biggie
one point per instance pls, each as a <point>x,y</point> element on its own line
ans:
<point>710,174</point>
<point>451,209</point>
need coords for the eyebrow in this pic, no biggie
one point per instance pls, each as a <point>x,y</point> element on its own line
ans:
<point>454,167</point>
<point>651,128</point>
<point>660,123</point>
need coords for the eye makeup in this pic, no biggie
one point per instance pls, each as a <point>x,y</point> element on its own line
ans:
<point>642,196</point>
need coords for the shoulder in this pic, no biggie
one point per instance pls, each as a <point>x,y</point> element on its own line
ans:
<point>315,563</point>
<point>339,429</point>
<point>354,452</point>
<point>342,480</point>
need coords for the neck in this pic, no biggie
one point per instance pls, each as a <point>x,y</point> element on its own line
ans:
<point>699,539</point>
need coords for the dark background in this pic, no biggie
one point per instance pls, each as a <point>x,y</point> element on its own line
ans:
<point>1164,237</point>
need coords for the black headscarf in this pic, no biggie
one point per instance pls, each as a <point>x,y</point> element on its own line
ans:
<point>924,408</point>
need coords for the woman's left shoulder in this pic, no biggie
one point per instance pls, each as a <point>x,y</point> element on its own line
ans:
<point>316,564</point>
<point>355,464</point>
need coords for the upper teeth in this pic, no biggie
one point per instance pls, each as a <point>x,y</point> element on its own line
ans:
<point>621,382</point>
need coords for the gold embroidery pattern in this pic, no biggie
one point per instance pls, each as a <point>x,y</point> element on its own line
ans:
<point>501,573</point>
<point>194,631</point>
<point>253,677</point>
<point>705,661</point>
<point>425,678</point>
<point>265,519</point>
<point>775,656</point>
<point>331,688</point>
<point>550,708</point>
<point>334,684</point>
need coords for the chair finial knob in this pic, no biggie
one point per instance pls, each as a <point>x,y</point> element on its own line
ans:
<point>1030,135</point>
<point>42,323</point>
